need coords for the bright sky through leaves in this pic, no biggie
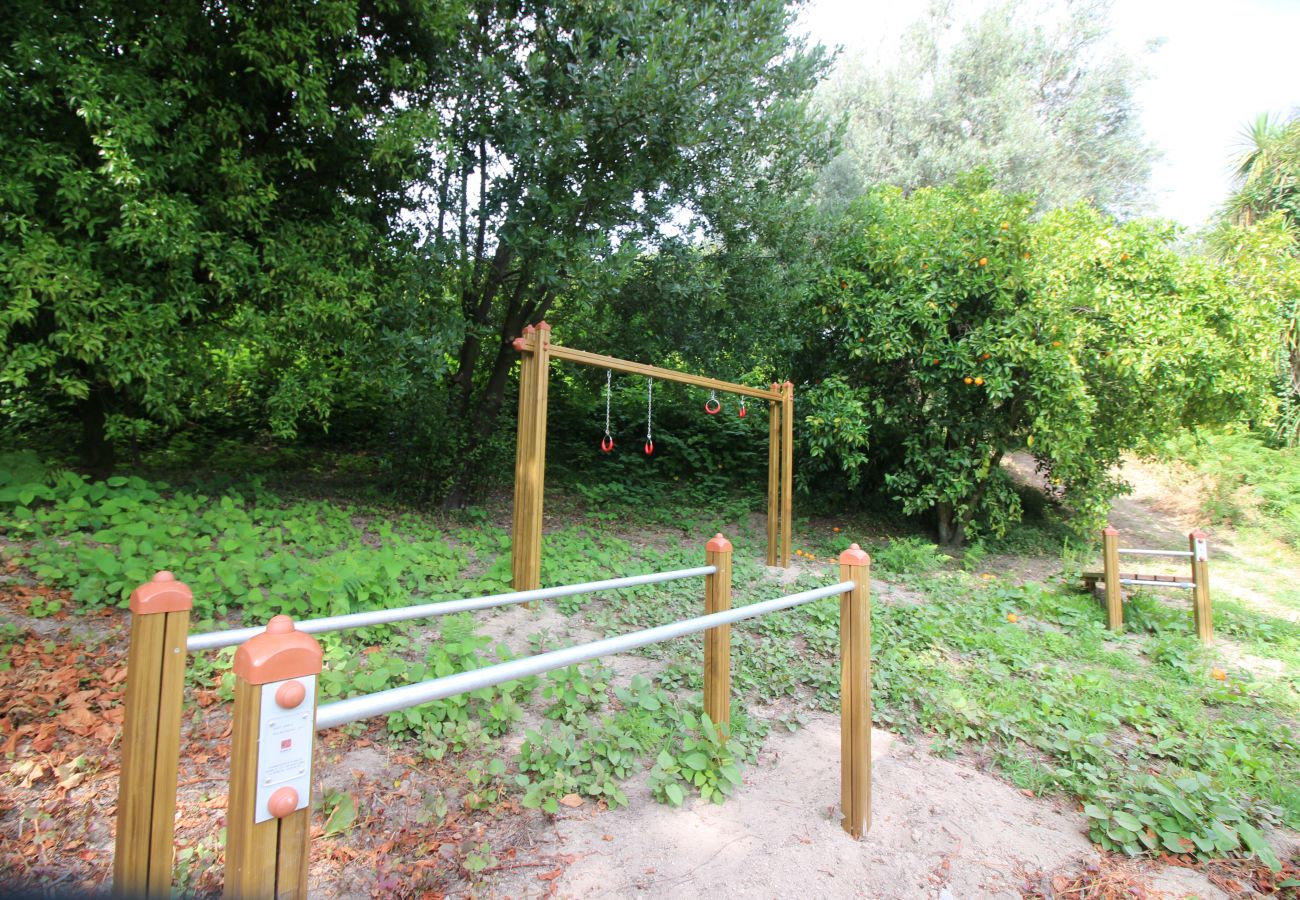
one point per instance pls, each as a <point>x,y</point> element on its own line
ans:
<point>1220,64</point>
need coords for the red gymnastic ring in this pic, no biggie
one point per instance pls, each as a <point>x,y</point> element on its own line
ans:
<point>607,443</point>
<point>649,447</point>
<point>712,406</point>
<point>742,412</point>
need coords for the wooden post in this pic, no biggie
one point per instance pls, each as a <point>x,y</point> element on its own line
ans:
<point>530,458</point>
<point>855,692</point>
<point>151,738</point>
<point>773,481</point>
<point>1202,612</point>
<point>717,641</point>
<point>268,814</point>
<point>787,473</point>
<point>1110,570</point>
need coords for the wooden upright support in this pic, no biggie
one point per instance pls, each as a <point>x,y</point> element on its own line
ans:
<point>268,821</point>
<point>530,457</point>
<point>855,692</point>
<point>1201,609</point>
<point>787,473</point>
<point>717,641</point>
<point>151,738</point>
<point>774,480</point>
<point>537,351</point>
<point>1110,568</point>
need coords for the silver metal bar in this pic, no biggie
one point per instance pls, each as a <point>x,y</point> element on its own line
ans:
<point>214,639</point>
<point>1132,552</point>
<point>1177,584</point>
<point>364,707</point>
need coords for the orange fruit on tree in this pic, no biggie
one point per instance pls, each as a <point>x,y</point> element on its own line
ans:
<point>1012,617</point>
<point>968,380</point>
<point>986,356</point>
<point>1056,343</point>
<point>836,529</point>
<point>1006,226</point>
<point>1218,674</point>
<point>984,260</point>
<point>979,381</point>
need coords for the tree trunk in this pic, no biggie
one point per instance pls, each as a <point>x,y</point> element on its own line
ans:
<point>952,531</point>
<point>97,455</point>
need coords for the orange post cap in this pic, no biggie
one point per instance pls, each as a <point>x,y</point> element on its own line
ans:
<point>282,802</point>
<point>1197,534</point>
<point>529,329</point>
<point>518,343</point>
<point>1110,529</point>
<point>718,544</point>
<point>854,556</point>
<point>161,595</point>
<point>277,654</point>
<point>543,326</point>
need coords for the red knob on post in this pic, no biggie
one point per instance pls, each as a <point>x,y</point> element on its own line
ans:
<point>282,802</point>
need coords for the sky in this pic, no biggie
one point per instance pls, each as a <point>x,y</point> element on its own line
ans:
<point>1221,63</point>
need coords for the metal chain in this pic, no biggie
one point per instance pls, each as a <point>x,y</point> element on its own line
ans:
<point>649,405</point>
<point>609,374</point>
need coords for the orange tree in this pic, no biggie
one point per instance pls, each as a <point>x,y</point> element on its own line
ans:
<point>951,329</point>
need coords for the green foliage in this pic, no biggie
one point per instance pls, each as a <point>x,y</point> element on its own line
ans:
<point>705,758</point>
<point>200,206</point>
<point>1035,89</point>
<point>909,555</point>
<point>243,550</point>
<point>952,329</point>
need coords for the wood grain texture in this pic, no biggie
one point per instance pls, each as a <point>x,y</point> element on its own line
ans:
<point>1110,566</point>
<point>773,483</point>
<point>634,368</point>
<point>1202,611</point>
<point>855,700</point>
<point>787,474</point>
<point>717,641</point>
<point>250,848</point>
<point>135,805</point>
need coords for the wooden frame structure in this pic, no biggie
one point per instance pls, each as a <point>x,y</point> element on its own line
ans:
<point>1197,554</point>
<point>537,351</point>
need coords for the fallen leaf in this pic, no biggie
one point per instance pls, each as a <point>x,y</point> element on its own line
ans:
<point>550,876</point>
<point>1060,884</point>
<point>573,801</point>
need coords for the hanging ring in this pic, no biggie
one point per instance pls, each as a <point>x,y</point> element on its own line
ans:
<point>712,406</point>
<point>649,448</point>
<point>607,443</point>
<point>743,411</point>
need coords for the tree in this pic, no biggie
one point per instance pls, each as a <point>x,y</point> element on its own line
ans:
<point>1034,91</point>
<point>573,137</point>
<point>189,190</point>
<point>1267,171</point>
<point>953,329</point>
<point>1261,239</point>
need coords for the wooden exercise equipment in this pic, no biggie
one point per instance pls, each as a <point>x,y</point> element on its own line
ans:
<point>536,352</point>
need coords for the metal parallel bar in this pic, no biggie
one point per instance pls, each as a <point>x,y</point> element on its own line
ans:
<point>356,708</point>
<point>622,365</point>
<point>214,639</point>
<point>1132,552</point>
<point>1177,584</point>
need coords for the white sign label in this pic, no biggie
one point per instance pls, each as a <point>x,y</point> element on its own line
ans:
<point>1202,551</point>
<point>284,742</point>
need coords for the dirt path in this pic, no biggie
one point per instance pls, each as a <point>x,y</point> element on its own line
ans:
<point>936,825</point>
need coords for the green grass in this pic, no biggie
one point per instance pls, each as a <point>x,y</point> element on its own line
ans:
<point>1134,727</point>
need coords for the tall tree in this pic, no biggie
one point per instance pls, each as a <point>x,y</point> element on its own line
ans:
<point>576,134</point>
<point>190,187</point>
<point>1033,90</point>
<point>1267,200</point>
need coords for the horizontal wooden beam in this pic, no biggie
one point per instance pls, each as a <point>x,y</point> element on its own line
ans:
<point>633,368</point>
